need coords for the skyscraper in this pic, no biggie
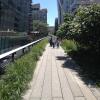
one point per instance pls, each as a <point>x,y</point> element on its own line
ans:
<point>14,15</point>
<point>63,7</point>
<point>38,13</point>
<point>77,3</point>
<point>70,6</point>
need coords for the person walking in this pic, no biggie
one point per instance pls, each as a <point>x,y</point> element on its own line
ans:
<point>57,42</point>
<point>50,42</point>
<point>54,42</point>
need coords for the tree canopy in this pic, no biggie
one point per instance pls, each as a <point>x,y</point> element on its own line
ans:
<point>84,26</point>
<point>41,27</point>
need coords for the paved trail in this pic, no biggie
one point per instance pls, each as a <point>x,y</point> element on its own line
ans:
<point>53,81</point>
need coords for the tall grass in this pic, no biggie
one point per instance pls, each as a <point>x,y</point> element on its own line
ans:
<point>18,74</point>
<point>69,45</point>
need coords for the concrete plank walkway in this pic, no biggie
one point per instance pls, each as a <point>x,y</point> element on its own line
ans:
<point>54,81</point>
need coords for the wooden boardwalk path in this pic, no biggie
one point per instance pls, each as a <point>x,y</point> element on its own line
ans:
<point>54,81</point>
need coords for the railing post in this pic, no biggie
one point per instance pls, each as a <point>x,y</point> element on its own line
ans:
<point>29,48</point>
<point>13,57</point>
<point>23,50</point>
<point>1,68</point>
<point>32,45</point>
<point>0,62</point>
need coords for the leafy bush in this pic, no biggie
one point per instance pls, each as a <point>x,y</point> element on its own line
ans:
<point>18,74</point>
<point>88,19</point>
<point>84,28</point>
<point>41,27</point>
<point>64,29</point>
<point>69,45</point>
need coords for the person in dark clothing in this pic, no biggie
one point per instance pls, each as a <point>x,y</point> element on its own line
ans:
<point>54,42</point>
<point>57,42</point>
<point>50,41</point>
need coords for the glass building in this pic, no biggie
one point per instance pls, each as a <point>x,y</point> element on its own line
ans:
<point>70,6</point>
<point>63,7</point>
<point>39,14</point>
<point>14,15</point>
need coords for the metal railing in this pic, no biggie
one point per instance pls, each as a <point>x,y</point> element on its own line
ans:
<point>14,51</point>
<point>10,42</point>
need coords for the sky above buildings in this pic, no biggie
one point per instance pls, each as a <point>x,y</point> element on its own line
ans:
<point>51,5</point>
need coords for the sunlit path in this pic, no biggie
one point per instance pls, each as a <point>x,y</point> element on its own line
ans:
<point>54,81</point>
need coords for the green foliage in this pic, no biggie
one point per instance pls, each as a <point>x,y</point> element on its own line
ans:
<point>18,74</point>
<point>69,45</point>
<point>88,22</point>
<point>68,17</point>
<point>84,28</point>
<point>40,27</point>
<point>64,29</point>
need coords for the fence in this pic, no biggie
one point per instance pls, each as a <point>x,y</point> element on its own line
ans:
<point>11,54</point>
<point>9,42</point>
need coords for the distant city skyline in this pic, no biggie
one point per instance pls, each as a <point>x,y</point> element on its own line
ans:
<point>51,5</point>
<point>38,13</point>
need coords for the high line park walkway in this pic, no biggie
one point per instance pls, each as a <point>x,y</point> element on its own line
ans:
<point>54,81</point>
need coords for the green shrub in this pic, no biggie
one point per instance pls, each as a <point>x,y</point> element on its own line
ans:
<point>18,74</point>
<point>88,19</point>
<point>69,45</point>
<point>84,28</point>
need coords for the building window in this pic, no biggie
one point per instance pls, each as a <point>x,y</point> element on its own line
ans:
<point>61,1</point>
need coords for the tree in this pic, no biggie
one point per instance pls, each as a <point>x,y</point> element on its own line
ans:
<point>84,27</point>
<point>68,17</point>
<point>64,29</point>
<point>88,18</point>
<point>41,27</point>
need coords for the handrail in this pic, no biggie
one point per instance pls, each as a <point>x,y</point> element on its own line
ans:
<point>12,52</point>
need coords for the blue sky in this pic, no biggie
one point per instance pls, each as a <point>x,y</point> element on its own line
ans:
<point>51,5</point>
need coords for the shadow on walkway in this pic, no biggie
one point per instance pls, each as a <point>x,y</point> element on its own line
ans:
<point>71,64</point>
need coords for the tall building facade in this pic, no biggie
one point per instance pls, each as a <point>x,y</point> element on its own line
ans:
<point>38,13</point>
<point>14,15</point>
<point>77,3</point>
<point>56,24</point>
<point>63,7</point>
<point>70,6</point>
